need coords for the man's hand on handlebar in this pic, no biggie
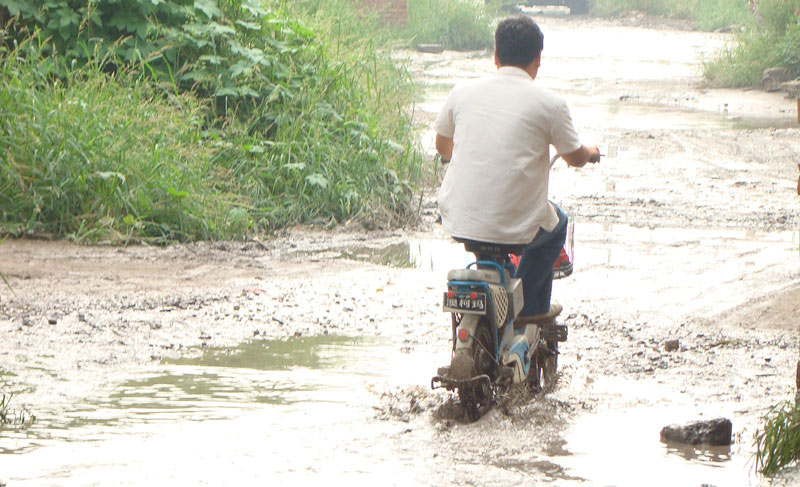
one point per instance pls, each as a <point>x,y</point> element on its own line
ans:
<point>594,155</point>
<point>580,157</point>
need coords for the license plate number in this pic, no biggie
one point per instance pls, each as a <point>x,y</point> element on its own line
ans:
<point>465,302</point>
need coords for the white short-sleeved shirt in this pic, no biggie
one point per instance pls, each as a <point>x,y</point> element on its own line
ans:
<point>495,188</point>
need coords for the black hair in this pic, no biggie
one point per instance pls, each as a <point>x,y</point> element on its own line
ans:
<point>518,41</point>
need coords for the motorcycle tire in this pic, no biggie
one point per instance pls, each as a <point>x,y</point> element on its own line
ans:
<point>550,366</point>
<point>477,399</point>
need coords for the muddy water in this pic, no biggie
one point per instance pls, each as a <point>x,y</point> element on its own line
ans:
<point>313,409</point>
<point>296,410</point>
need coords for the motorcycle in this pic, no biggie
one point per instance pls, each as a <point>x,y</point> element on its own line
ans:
<point>493,347</point>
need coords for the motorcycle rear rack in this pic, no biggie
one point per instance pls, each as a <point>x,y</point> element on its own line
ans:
<point>450,384</point>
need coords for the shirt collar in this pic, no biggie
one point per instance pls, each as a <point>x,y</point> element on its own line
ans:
<point>513,71</point>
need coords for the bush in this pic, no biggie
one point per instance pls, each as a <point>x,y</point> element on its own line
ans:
<point>249,120</point>
<point>773,41</point>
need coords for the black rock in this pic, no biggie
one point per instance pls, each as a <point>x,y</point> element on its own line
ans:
<point>431,48</point>
<point>715,432</point>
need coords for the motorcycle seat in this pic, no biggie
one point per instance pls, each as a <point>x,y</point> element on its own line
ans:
<point>489,248</point>
<point>492,276</point>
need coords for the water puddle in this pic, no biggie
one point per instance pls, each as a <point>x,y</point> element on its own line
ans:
<point>306,410</point>
<point>262,412</point>
<point>622,448</point>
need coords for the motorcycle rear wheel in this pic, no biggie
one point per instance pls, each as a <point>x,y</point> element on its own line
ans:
<point>544,368</point>
<point>550,366</point>
<point>477,399</point>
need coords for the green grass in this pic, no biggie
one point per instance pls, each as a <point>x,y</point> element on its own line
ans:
<point>778,441</point>
<point>705,14</point>
<point>100,158</point>
<point>455,24</point>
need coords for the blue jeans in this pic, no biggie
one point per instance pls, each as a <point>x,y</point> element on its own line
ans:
<point>536,266</point>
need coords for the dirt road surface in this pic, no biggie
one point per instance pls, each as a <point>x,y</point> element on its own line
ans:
<point>687,231</point>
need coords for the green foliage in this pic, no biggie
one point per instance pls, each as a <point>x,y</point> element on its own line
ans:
<point>75,28</point>
<point>202,119</point>
<point>778,441</point>
<point>456,24</point>
<point>772,41</point>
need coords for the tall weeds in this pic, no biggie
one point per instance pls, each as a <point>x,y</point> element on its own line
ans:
<point>90,156</point>
<point>778,441</point>
<point>262,122</point>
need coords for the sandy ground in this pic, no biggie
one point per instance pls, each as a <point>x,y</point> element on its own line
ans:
<point>688,232</point>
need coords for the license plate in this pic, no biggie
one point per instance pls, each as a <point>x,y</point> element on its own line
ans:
<point>465,302</point>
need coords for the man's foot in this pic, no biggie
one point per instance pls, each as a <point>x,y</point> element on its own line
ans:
<point>555,310</point>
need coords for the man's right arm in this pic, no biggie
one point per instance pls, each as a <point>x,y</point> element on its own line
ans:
<point>444,146</point>
<point>580,157</point>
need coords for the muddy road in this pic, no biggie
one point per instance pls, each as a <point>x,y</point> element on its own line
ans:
<point>308,356</point>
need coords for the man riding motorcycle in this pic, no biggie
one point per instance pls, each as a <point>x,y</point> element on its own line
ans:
<point>495,132</point>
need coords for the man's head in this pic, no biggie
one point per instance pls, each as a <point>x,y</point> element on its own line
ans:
<point>518,41</point>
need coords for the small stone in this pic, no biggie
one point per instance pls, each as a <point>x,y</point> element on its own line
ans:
<point>672,345</point>
<point>715,432</point>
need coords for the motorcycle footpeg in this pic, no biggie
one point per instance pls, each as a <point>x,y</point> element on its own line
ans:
<point>439,382</point>
<point>554,332</point>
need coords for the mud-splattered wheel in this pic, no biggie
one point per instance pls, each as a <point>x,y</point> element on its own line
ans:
<point>544,367</point>
<point>476,399</point>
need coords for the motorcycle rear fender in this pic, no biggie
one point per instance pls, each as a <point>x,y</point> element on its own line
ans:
<point>469,323</point>
<point>462,367</point>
